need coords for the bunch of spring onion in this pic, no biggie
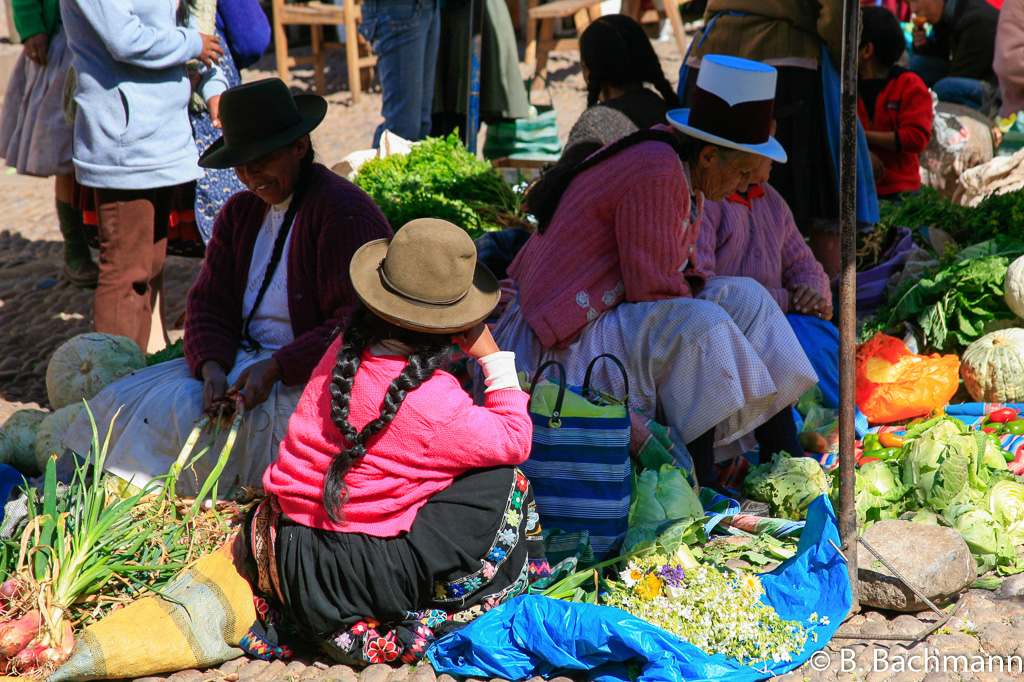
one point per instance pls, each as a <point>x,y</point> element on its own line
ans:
<point>84,542</point>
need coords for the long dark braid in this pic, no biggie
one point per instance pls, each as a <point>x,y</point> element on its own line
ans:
<point>185,8</point>
<point>365,329</point>
<point>618,53</point>
<point>305,175</point>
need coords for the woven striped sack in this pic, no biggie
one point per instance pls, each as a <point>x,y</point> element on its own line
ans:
<point>579,465</point>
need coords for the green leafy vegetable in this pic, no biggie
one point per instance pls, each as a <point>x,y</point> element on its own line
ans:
<point>954,306</point>
<point>172,352</point>
<point>1005,501</point>
<point>440,179</point>
<point>788,484</point>
<point>879,493</point>
<point>946,465</point>
<point>662,495</point>
<point>987,540</point>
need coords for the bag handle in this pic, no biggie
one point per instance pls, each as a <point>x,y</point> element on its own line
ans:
<point>590,369</point>
<point>547,87</point>
<point>555,421</point>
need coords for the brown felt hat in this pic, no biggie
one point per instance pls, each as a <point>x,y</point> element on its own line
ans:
<point>426,278</point>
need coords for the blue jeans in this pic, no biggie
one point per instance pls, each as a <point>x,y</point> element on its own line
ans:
<point>404,34</point>
<point>958,90</point>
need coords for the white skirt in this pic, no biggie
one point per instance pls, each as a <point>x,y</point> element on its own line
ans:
<point>726,359</point>
<point>35,138</point>
<point>159,406</point>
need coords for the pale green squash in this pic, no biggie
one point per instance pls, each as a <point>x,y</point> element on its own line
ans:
<point>1013,287</point>
<point>85,364</point>
<point>18,440</point>
<point>993,367</point>
<point>52,430</point>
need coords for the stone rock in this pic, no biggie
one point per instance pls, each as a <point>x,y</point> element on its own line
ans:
<point>875,617</point>
<point>339,673</point>
<point>999,639</point>
<point>956,644</point>
<point>940,677</point>
<point>233,666</point>
<point>906,625</point>
<point>445,677</point>
<point>423,673</point>
<point>378,672</point>
<point>907,676</point>
<point>1013,586</point>
<point>274,670</point>
<point>401,674</point>
<point>250,670</point>
<point>935,559</point>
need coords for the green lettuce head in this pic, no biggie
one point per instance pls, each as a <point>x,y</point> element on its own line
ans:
<point>1005,501</point>
<point>788,484</point>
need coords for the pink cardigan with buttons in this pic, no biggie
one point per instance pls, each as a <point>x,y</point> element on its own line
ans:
<point>623,232</point>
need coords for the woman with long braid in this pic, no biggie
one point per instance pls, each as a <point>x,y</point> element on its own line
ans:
<point>395,511</point>
<point>273,290</point>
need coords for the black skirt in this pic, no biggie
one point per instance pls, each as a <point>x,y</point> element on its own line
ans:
<point>472,546</point>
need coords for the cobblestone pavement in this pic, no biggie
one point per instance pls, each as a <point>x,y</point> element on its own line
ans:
<point>38,312</point>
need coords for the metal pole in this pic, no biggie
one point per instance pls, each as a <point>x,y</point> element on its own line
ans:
<point>847,290</point>
<point>476,27</point>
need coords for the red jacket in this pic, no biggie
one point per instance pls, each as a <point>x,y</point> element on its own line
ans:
<point>905,106</point>
<point>334,220</point>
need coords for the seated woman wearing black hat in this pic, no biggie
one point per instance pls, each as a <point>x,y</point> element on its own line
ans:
<point>273,290</point>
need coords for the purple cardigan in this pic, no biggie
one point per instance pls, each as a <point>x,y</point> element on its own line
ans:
<point>333,221</point>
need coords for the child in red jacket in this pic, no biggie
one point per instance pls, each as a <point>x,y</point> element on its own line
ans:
<point>899,124</point>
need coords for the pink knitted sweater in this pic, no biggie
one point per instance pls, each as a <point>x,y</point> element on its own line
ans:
<point>622,232</point>
<point>437,434</point>
<point>756,237</point>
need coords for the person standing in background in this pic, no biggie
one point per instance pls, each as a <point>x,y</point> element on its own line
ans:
<point>405,35</point>
<point>35,139</point>
<point>133,145</point>
<point>955,61</point>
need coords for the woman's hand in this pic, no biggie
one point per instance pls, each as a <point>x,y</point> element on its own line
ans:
<point>476,342</point>
<point>807,301</point>
<point>215,383</point>
<point>212,50</point>
<point>257,381</point>
<point>920,36</point>
<point>36,48</point>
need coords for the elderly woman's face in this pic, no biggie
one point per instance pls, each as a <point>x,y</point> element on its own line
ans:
<point>722,174</point>
<point>273,177</point>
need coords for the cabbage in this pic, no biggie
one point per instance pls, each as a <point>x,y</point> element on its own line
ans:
<point>788,484</point>
<point>662,495</point>
<point>986,539</point>
<point>879,494</point>
<point>946,465</point>
<point>1005,501</point>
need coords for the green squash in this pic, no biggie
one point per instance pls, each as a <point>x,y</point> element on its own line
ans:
<point>18,440</point>
<point>85,364</point>
<point>993,367</point>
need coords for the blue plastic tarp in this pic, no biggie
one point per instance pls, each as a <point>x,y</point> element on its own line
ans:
<point>9,479</point>
<point>534,635</point>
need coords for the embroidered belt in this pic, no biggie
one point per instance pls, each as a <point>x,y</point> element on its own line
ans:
<point>264,546</point>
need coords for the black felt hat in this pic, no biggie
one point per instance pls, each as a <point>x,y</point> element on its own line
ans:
<point>258,118</point>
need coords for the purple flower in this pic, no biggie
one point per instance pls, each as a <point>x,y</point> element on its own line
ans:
<point>672,575</point>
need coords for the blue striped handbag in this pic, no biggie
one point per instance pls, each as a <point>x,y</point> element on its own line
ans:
<point>579,465</point>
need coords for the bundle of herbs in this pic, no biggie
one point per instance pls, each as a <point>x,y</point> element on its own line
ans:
<point>86,550</point>
<point>439,178</point>
<point>997,215</point>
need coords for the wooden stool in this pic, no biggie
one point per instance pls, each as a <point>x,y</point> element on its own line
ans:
<point>316,15</point>
<point>542,18</point>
